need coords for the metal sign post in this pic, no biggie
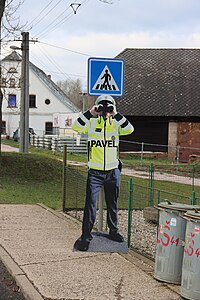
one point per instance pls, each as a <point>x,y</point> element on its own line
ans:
<point>64,188</point>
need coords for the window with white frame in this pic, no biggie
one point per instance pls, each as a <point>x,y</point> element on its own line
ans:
<point>12,100</point>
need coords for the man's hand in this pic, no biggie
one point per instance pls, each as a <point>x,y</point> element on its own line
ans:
<point>114,111</point>
<point>94,111</point>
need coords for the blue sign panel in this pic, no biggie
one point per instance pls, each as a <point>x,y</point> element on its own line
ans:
<point>105,76</point>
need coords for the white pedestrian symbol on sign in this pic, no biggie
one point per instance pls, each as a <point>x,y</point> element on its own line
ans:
<point>105,81</point>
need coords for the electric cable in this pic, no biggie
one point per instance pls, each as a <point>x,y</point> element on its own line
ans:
<point>59,73</point>
<point>62,21</point>
<point>48,12</point>
<point>50,28</point>
<point>66,49</point>
<point>31,22</point>
<point>55,64</point>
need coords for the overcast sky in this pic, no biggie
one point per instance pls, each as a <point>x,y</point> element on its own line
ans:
<point>66,40</point>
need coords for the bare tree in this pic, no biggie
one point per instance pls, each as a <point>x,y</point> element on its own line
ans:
<point>11,22</point>
<point>9,26</point>
<point>73,90</point>
<point>79,97</point>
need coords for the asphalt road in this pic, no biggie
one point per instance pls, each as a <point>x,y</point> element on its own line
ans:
<point>8,288</point>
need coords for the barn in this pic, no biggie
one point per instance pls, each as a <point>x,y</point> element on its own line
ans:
<point>161,99</point>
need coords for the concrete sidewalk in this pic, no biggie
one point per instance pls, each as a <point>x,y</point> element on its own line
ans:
<point>7,148</point>
<point>36,245</point>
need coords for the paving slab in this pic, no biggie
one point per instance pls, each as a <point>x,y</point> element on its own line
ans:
<point>36,244</point>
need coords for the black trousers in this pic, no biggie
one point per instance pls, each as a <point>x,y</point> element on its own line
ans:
<point>110,180</point>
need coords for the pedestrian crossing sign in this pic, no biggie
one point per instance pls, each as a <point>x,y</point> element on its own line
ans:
<point>105,76</point>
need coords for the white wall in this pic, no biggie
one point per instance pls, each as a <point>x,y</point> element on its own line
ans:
<point>39,115</point>
<point>11,115</point>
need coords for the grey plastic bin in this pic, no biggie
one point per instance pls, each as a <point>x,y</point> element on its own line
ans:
<point>170,241</point>
<point>190,282</point>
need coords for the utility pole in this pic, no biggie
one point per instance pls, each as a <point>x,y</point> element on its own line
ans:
<point>24,104</point>
<point>2,8</point>
<point>83,94</point>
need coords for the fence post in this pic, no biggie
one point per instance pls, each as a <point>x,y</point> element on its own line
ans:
<point>193,198</point>
<point>142,152</point>
<point>151,177</point>
<point>193,178</point>
<point>64,177</point>
<point>33,140</point>
<point>177,154</point>
<point>43,142</point>
<point>130,210</point>
<point>158,196</point>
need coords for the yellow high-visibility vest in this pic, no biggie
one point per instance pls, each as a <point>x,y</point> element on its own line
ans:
<point>103,138</point>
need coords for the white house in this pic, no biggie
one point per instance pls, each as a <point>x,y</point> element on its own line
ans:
<point>45,97</point>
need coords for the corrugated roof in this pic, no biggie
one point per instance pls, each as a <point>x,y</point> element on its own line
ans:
<point>161,82</point>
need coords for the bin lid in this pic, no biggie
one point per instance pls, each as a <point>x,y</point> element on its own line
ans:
<point>193,214</point>
<point>178,206</point>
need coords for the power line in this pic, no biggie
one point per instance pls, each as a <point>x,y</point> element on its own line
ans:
<point>31,22</point>
<point>41,62</point>
<point>50,10</point>
<point>58,47</point>
<point>58,74</point>
<point>62,21</point>
<point>45,68</point>
<point>68,74</point>
<point>51,28</point>
<point>55,64</point>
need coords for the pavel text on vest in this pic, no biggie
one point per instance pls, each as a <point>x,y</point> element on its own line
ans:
<point>102,143</point>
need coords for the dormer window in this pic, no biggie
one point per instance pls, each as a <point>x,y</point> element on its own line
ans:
<point>12,70</point>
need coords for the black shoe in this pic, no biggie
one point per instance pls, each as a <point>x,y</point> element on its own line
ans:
<point>116,236</point>
<point>81,245</point>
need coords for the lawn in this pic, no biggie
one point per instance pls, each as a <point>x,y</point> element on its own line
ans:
<point>30,178</point>
<point>37,176</point>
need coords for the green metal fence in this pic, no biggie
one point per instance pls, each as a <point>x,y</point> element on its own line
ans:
<point>163,177</point>
<point>178,184</point>
<point>74,190</point>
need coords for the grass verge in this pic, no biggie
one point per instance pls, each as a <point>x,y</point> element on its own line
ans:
<point>29,179</point>
<point>37,177</point>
